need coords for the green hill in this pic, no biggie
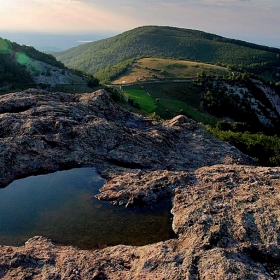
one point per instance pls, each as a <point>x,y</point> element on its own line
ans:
<point>23,67</point>
<point>13,61</point>
<point>169,42</point>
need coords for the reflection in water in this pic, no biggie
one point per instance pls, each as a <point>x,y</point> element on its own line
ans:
<point>61,206</point>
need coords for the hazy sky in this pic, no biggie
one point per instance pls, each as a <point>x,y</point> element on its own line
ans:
<point>251,20</point>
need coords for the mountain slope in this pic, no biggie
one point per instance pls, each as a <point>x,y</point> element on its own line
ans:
<point>24,66</point>
<point>166,42</point>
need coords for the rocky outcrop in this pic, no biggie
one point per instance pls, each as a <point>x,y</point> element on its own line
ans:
<point>225,209</point>
<point>270,94</point>
<point>228,227</point>
<point>229,216</point>
<point>47,74</point>
<point>42,132</point>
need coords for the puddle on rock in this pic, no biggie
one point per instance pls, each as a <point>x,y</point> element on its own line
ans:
<point>61,206</point>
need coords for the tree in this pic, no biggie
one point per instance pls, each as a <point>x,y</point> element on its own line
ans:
<point>93,82</point>
<point>240,127</point>
<point>224,125</point>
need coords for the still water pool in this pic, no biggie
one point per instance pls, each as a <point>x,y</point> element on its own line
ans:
<point>62,206</point>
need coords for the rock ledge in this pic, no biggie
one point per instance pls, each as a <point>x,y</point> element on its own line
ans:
<point>226,210</point>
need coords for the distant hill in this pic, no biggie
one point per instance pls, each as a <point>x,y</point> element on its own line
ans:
<point>169,42</point>
<point>23,66</point>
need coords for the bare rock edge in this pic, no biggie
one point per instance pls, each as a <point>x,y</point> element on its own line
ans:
<point>226,210</point>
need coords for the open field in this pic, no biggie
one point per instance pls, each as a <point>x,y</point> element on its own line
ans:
<point>147,103</point>
<point>186,91</point>
<point>167,100</point>
<point>158,68</point>
<point>176,107</point>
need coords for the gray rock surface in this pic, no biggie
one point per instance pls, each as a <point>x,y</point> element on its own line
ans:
<point>227,221</point>
<point>42,132</point>
<point>225,210</point>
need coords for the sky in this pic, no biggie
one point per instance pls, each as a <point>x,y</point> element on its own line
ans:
<point>256,21</point>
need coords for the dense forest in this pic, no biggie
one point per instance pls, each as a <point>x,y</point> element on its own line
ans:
<point>112,72</point>
<point>265,149</point>
<point>12,72</point>
<point>170,42</point>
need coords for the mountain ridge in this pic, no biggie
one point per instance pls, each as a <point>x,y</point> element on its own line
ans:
<point>152,41</point>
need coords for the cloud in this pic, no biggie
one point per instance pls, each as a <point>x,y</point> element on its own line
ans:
<point>62,15</point>
<point>237,18</point>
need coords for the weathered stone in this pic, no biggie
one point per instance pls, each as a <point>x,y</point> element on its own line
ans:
<point>225,210</point>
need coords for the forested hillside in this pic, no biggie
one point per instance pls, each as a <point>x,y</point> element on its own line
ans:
<point>170,42</point>
<point>13,61</point>
<point>23,67</point>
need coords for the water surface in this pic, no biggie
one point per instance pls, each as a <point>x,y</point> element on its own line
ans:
<point>62,206</point>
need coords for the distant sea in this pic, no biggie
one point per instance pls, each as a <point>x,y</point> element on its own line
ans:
<point>54,42</point>
<point>48,42</point>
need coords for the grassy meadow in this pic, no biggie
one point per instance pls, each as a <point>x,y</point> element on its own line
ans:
<point>168,100</point>
<point>158,68</point>
<point>147,103</point>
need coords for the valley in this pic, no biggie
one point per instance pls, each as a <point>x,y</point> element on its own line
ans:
<point>213,95</point>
